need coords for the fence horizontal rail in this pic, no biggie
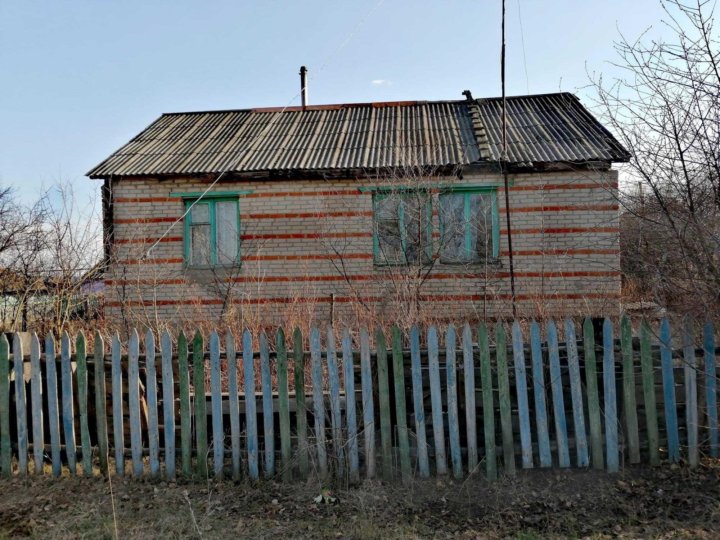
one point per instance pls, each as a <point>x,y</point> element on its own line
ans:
<point>458,405</point>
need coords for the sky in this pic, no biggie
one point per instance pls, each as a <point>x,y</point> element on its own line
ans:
<point>79,78</point>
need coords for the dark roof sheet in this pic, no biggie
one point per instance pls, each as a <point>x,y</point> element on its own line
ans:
<point>542,128</point>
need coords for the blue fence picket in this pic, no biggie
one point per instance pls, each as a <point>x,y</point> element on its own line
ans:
<point>436,401</point>
<point>557,396</point>
<point>250,406</point>
<point>470,409</point>
<point>318,404</point>
<point>335,413</point>
<point>68,415</point>
<point>671,421</point>
<point>82,399</point>
<point>233,404</point>
<point>168,387</point>
<point>101,404</point>
<point>283,403</point>
<point>267,401</point>
<point>117,405</point>
<point>367,403</point>
<point>541,419</point>
<point>581,445</point>
<point>488,402</point>
<point>20,405</point>
<point>522,396</point>
<point>452,402</point>
<point>53,405</point>
<point>611,420</point>
<point>691,402</point>
<point>418,404</point>
<point>136,448</point>
<point>218,436</point>
<point>153,433</point>
<point>711,388</point>
<point>36,391</point>
<point>350,407</point>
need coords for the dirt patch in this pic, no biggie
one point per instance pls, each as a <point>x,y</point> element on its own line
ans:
<point>670,502</point>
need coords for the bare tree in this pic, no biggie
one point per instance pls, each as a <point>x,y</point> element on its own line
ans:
<point>664,109</point>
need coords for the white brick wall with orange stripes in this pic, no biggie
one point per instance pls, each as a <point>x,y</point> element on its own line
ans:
<point>309,243</point>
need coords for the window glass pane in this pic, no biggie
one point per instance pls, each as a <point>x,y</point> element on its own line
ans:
<point>415,219</point>
<point>200,213</point>
<point>386,206</point>
<point>389,242</point>
<point>480,226</point>
<point>200,245</point>
<point>452,217</point>
<point>226,228</point>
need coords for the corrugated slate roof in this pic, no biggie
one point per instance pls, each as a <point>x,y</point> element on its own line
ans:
<point>546,128</point>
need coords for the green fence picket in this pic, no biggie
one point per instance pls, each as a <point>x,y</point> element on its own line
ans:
<point>267,404</point>
<point>201,440</point>
<point>556,384</point>
<point>20,405</point>
<point>218,436</point>
<point>488,402</point>
<point>691,401</point>
<point>593,396</point>
<point>350,407</point>
<point>400,404</point>
<point>504,399</point>
<point>436,401</point>
<point>233,404</point>
<point>168,389</point>
<point>539,397</point>
<point>629,401</point>
<point>648,380</point>
<point>452,402</point>
<point>335,412</point>
<point>68,414</point>
<point>250,406</point>
<point>283,404</point>
<point>522,396</point>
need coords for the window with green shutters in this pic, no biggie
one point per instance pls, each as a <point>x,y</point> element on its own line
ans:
<point>212,232</point>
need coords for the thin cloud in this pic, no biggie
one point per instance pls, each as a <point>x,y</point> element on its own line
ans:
<point>381,82</point>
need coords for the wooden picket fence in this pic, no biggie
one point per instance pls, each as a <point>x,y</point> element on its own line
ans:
<point>612,401</point>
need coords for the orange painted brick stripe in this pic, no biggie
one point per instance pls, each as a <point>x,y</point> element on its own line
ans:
<point>547,187</point>
<point>346,299</point>
<point>163,240</point>
<point>147,220</point>
<point>565,230</point>
<point>146,199</point>
<point>302,194</point>
<point>566,208</point>
<point>309,257</point>
<point>298,215</point>
<point>151,261</point>
<point>540,252</point>
<point>301,236</point>
<point>366,277</point>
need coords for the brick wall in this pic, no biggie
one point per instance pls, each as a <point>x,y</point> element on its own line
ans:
<point>306,249</point>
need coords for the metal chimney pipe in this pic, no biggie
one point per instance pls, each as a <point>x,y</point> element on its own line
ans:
<point>303,86</point>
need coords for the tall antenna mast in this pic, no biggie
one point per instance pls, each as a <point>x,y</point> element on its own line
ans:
<point>504,165</point>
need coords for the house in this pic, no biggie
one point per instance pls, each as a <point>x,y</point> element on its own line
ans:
<point>389,210</point>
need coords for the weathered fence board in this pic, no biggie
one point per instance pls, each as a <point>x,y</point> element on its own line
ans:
<point>444,394</point>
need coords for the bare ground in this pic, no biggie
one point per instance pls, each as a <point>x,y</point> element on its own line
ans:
<point>669,502</point>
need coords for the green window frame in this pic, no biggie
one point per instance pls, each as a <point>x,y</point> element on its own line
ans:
<point>210,226</point>
<point>380,255</point>
<point>469,228</point>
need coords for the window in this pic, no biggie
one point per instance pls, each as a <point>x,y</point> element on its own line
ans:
<point>469,228</point>
<point>402,227</point>
<point>212,232</point>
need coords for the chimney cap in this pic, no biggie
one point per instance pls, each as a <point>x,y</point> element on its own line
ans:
<point>467,94</point>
